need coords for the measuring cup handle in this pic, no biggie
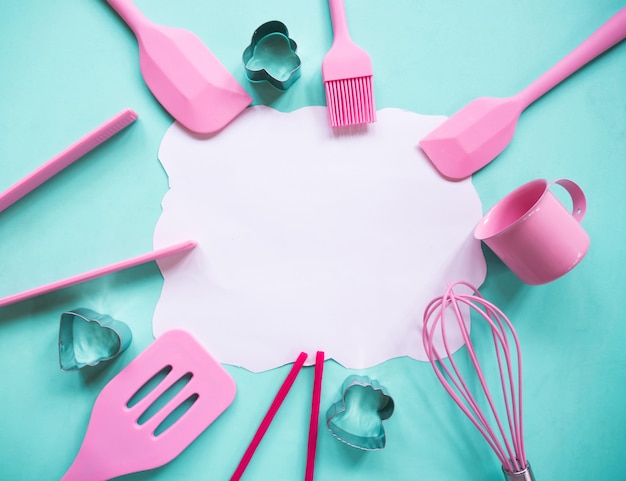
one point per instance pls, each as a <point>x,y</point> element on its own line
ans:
<point>579,202</point>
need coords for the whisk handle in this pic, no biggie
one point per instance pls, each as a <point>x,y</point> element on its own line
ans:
<point>523,475</point>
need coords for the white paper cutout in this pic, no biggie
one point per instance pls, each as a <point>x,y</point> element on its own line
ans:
<point>311,240</point>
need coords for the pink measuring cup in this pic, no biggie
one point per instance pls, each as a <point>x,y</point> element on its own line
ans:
<point>534,234</point>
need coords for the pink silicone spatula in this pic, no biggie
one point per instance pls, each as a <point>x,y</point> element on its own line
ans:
<point>121,439</point>
<point>183,74</point>
<point>481,130</point>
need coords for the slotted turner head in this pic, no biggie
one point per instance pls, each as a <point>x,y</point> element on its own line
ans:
<point>129,431</point>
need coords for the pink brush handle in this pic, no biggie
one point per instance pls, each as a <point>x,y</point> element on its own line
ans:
<point>609,34</point>
<point>315,413</point>
<point>87,276</point>
<point>339,20</point>
<point>267,420</point>
<point>65,158</point>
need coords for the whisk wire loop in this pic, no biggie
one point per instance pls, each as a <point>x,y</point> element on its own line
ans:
<point>508,446</point>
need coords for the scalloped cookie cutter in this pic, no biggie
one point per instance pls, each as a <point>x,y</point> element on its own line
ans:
<point>87,338</point>
<point>271,56</point>
<point>357,419</point>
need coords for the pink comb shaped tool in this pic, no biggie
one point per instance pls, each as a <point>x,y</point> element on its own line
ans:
<point>67,157</point>
<point>153,409</point>
<point>347,73</point>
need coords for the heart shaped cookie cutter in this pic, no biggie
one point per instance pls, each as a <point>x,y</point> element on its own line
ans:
<point>87,338</point>
<point>271,56</point>
<point>357,419</point>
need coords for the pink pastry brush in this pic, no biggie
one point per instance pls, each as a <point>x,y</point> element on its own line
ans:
<point>347,73</point>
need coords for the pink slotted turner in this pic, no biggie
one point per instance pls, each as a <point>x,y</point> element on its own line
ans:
<point>481,130</point>
<point>116,443</point>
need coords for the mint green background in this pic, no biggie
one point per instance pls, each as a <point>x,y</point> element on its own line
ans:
<point>68,65</point>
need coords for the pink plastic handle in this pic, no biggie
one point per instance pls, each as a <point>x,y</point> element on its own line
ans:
<point>67,157</point>
<point>339,21</point>
<point>579,202</point>
<point>269,416</point>
<point>87,276</point>
<point>315,413</point>
<point>608,35</point>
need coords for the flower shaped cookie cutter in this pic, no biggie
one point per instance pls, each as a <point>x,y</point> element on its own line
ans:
<point>271,56</point>
<point>357,419</point>
<point>87,338</point>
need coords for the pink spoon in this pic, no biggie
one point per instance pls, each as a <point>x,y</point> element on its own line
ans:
<point>481,130</point>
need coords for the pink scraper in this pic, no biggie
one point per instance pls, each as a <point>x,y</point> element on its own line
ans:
<point>481,130</point>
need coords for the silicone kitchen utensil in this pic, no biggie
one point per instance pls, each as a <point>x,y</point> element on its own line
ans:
<point>65,158</point>
<point>315,414</point>
<point>534,234</point>
<point>481,130</point>
<point>271,56</point>
<point>183,74</point>
<point>347,73</point>
<point>126,434</point>
<point>507,444</point>
<point>269,416</point>
<point>87,276</point>
<point>357,418</point>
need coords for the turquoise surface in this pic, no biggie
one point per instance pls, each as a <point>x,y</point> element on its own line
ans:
<point>66,66</point>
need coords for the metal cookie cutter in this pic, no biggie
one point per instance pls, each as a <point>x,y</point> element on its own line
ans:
<point>357,419</point>
<point>271,56</point>
<point>86,338</point>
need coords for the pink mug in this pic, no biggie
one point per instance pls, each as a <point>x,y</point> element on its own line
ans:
<point>534,234</point>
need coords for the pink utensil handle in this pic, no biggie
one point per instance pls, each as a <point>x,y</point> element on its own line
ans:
<point>130,13</point>
<point>87,276</point>
<point>339,20</point>
<point>608,35</point>
<point>315,414</point>
<point>67,157</point>
<point>269,416</point>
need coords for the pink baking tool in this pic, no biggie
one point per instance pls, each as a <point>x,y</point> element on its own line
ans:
<point>183,74</point>
<point>87,276</point>
<point>315,413</point>
<point>119,438</point>
<point>269,416</point>
<point>67,157</point>
<point>494,408</point>
<point>348,75</point>
<point>481,130</point>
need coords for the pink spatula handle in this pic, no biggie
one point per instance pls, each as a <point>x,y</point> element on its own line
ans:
<point>608,35</point>
<point>65,158</point>
<point>129,12</point>
<point>87,276</point>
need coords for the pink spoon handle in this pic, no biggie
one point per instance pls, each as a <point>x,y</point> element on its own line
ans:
<point>65,158</point>
<point>87,276</point>
<point>608,35</point>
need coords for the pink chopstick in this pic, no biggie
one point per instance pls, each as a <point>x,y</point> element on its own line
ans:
<point>87,276</point>
<point>267,420</point>
<point>65,158</point>
<point>315,413</point>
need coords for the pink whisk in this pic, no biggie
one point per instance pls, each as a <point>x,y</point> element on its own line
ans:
<point>506,436</point>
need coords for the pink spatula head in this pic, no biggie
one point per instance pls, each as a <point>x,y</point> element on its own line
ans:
<point>477,133</point>
<point>472,137</point>
<point>153,409</point>
<point>183,74</point>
